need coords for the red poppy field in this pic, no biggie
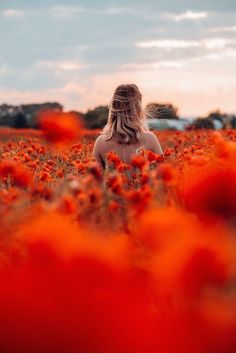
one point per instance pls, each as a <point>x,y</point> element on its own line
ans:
<point>95,263</point>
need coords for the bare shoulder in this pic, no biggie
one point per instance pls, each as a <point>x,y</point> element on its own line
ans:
<point>149,136</point>
<point>151,141</point>
<point>101,145</point>
<point>101,142</point>
<point>100,139</point>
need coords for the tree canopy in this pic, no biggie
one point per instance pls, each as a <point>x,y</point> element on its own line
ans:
<point>161,111</point>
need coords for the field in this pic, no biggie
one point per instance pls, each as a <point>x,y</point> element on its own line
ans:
<point>107,263</point>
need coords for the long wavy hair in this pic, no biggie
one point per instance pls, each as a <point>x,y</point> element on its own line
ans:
<point>126,118</point>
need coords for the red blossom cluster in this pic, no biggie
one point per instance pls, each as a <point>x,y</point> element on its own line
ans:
<point>137,258</point>
<point>59,127</point>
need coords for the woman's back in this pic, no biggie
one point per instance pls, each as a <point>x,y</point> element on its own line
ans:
<point>125,152</point>
<point>126,130</point>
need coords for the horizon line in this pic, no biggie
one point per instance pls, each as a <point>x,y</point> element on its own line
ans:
<point>66,110</point>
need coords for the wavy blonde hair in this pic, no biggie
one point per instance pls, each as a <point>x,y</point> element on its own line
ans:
<point>126,118</point>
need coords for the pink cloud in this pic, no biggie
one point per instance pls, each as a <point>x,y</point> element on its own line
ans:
<point>196,88</point>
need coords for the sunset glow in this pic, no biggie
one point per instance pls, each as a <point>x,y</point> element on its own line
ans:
<point>77,53</point>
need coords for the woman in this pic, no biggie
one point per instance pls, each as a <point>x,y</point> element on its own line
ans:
<point>126,131</point>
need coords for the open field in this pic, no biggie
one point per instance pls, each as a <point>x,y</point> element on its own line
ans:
<point>95,263</point>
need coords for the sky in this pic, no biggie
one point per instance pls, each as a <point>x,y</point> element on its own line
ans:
<point>77,51</point>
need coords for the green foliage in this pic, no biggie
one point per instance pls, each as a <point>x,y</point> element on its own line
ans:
<point>96,118</point>
<point>205,123</point>
<point>161,111</point>
<point>25,115</point>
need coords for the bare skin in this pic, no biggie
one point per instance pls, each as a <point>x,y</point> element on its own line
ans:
<point>148,141</point>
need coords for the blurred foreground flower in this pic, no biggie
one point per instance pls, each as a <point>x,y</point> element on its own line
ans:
<point>212,193</point>
<point>60,127</point>
<point>15,173</point>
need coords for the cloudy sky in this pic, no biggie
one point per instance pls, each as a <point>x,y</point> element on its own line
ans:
<point>77,51</point>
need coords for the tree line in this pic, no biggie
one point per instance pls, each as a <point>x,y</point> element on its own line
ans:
<point>27,115</point>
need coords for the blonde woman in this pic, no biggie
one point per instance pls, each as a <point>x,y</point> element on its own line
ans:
<point>126,131</point>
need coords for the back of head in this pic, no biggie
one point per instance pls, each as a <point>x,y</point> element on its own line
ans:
<point>126,119</point>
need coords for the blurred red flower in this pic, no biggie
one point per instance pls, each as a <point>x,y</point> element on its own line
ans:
<point>166,172</point>
<point>59,127</point>
<point>138,161</point>
<point>212,193</point>
<point>113,158</point>
<point>16,173</point>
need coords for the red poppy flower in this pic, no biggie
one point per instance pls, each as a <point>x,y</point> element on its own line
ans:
<point>212,192</point>
<point>138,161</point>
<point>18,175</point>
<point>113,158</point>
<point>60,127</point>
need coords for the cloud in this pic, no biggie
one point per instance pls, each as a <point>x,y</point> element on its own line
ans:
<point>226,54</point>
<point>170,44</point>
<point>175,64</point>
<point>69,95</point>
<point>119,10</point>
<point>13,13</point>
<point>184,87</point>
<point>179,64</point>
<point>125,44</point>
<point>64,12</point>
<point>223,29</point>
<point>217,43</point>
<point>188,15</point>
<point>67,11</point>
<point>66,65</point>
<point>4,69</point>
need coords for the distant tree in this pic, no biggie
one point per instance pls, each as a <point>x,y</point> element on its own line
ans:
<point>233,122</point>
<point>203,123</point>
<point>225,119</point>
<point>161,111</point>
<point>32,111</point>
<point>19,121</point>
<point>78,115</point>
<point>217,115</point>
<point>96,118</point>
